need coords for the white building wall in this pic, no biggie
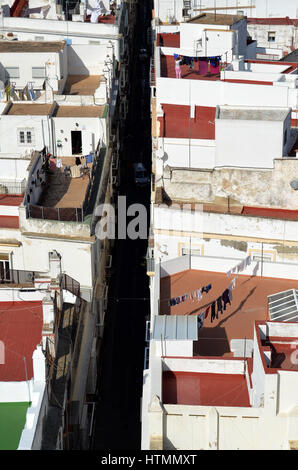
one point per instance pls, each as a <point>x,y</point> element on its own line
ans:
<point>10,125</point>
<point>244,143</point>
<point>25,61</point>
<point>87,59</point>
<point>92,130</point>
<point>213,93</point>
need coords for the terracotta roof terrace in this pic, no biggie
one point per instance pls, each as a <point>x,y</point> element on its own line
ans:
<point>237,321</point>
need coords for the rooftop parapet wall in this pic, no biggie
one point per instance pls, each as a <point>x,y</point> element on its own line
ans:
<point>53,228</point>
<point>267,188</point>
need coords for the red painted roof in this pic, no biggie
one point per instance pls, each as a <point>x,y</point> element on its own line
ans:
<point>11,199</point>
<point>191,388</point>
<point>8,221</point>
<point>177,123</point>
<point>250,82</point>
<point>168,39</point>
<point>20,332</point>
<point>273,21</point>
<point>271,213</point>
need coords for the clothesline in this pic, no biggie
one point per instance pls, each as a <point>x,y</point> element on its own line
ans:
<point>218,305</point>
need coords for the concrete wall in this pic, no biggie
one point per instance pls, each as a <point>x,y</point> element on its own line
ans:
<point>273,186</point>
<point>285,36</point>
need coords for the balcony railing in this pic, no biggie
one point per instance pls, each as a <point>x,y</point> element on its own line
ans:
<point>16,276</point>
<point>70,284</point>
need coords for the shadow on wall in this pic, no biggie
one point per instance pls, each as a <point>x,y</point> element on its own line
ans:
<point>211,342</point>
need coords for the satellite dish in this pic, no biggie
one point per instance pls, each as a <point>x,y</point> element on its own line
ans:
<point>294,184</point>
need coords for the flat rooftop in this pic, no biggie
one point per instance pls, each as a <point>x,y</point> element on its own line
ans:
<point>12,423</point>
<point>237,321</point>
<point>218,18</point>
<point>82,85</point>
<point>28,109</point>
<point>31,46</point>
<point>20,331</point>
<point>167,66</point>
<point>193,388</point>
<point>252,114</point>
<point>64,190</point>
<point>79,111</point>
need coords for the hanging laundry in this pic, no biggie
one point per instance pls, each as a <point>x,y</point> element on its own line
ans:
<point>213,313</point>
<point>207,288</point>
<point>207,311</point>
<point>256,268</point>
<point>230,293</point>
<point>229,273</point>
<point>199,294</point>
<point>248,261</point>
<point>226,298</point>
<point>219,306</point>
<point>201,319</point>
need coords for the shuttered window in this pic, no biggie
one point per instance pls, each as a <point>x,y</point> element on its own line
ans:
<point>38,72</point>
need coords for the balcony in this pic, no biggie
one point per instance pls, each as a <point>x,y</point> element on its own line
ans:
<point>16,276</point>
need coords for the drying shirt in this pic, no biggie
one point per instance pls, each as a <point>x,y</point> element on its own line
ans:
<point>213,314</point>
<point>226,298</point>
<point>219,305</point>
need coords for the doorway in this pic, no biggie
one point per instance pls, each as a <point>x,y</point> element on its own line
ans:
<point>76,142</point>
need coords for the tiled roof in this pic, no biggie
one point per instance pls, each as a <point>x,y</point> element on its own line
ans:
<point>273,21</point>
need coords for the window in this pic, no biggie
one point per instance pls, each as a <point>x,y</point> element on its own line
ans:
<point>240,12</point>
<point>271,36</point>
<point>4,267</point>
<point>97,43</point>
<point>39,38</point>
<point>25,136</point>
<point>196,250</point>
<point>38,72</point>
<point>268,256</point>
<point>12,72</point>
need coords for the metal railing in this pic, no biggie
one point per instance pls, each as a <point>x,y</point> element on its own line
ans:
<point>16,276</point>
<point>70,284</point>
<point>12,187</point>
<point>63,214</point>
